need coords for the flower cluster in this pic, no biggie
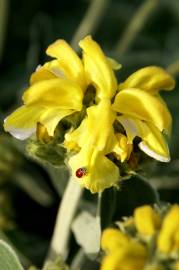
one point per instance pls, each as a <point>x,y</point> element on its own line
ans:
<point>148,240</point>
<point>112,115</point>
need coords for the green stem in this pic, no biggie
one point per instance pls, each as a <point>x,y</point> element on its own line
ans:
<point>90,21</point>
<point>3,21</point>
<point>66,212</point>
<point>135,26</point>
<point>78,261</point>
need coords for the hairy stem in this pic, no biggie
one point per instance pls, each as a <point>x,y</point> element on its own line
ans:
<point>90,21</point>
<point>78,260</point>
<point>135,25</point>
<point>66,212</point>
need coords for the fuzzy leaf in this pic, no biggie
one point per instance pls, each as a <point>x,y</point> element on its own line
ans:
<point>86,229</point>
<point>8,258</point>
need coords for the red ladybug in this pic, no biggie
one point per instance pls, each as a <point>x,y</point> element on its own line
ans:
<point>81,172</point>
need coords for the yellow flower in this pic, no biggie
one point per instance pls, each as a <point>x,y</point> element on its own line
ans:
<point>144,113</point>
<point>126,249</point>
<point>146,220</point>
<point>49,97</point>
<point>168,240</point>
<point>122,253</point>
<point>58,89</point>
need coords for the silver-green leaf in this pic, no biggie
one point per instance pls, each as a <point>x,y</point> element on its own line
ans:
<point>8,258</point>
<point>86,229</point>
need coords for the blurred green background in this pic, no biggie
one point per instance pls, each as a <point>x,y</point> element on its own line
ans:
<point>137,33</point>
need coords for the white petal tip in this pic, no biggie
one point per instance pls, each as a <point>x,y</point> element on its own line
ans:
<point>38,67</point>
<point>153,154</point>
<point>21,134</point>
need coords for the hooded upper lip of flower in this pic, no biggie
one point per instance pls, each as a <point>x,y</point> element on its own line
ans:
<point>57,90</point>
<point>144,113</point>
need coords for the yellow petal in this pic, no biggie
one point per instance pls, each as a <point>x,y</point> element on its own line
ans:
<point>95,138</point>
<point>143,106</point>
<point>52,116</point>
<point>176,240</point>
<point>42,134</point>
<point>114,64</point>
<point>22,123</point>
<point>169,229</point>
<point>130,126</point>
<point>101,173</point>
<point>96,129</point>
<point>46,72</point>
<point>56,92</point>
<point>98,69</point>
<point>113,239</point>
<point>122,149</point>
<point>40,75</point>
<point>112,261</point>
<point>69,61</point>
<point>130,257</point>
<point>153,142</point>
<point>146,220</point>
<point>151,79</point>
<point>74,140</point>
